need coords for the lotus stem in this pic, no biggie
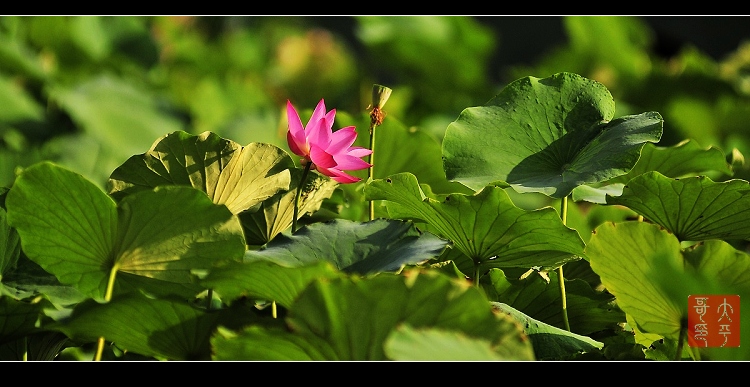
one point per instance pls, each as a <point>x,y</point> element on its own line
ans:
<point>561,277</point>
<point>209,297</point>
<point>308,165</point>
<point>680,342</point>
<point>371,203</point>
<point>107,298</point>
<point>380,95</point>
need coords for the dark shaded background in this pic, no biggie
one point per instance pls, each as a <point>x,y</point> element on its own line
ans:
<point>525,39</point>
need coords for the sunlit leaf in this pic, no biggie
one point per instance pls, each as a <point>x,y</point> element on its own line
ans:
<point>624,254</point>
<point>547,135</point>
<point>681,160</point>
<point>72,229</point>
<point>275,213</point>
<point>597,195</point>
<point>710,267</point>
<point>268,344</point>
<point>236,176</point>
<point>432,344</point>
<point>651,277</point>
<point>715,267</point>
<point>487,226</point>
<point>693,208</point>
<point>265,280</point>
<point>166,233</point>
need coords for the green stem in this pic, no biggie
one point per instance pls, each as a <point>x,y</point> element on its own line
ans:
<point>308,165</point>
<point>370,176</point>
<point>560,276</point>
<point>476,274</point>
<point>680,342</point>
<point>107,298</point>
<point>209,297</point>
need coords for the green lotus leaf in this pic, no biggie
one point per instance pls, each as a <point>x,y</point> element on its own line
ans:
<point>72,229</point>
<point>487,226</point>
<point>549,342</point>
<point>681,160</point>
<point>19,318</point>
<point>431,344</point>
<point>721,262</point>
<point>597,195</point>
<point>236,176</point>
<point>642,265</point>
<point>355,247</point>
<point>588,311</point>
<point>693,208</point>
<point>547,135</point>
<point>144,325</point>
<point>714,267</point>
<point>624,254</point>
<point>28,280</point>
<point>167,233</point>
<point>351,318</point>
<point>710,267</point>
<point>275,213</point>
<point>10,245</point>
<point>265,280</point>
<point>268,344</point>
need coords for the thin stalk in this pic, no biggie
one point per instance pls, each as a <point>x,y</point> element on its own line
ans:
<point>209,297</point>
<point>380,95</point>
<point>107,298</point>
<point>371,204</point>
<point>680,342</point>
<point>561,277</point>
<point>308,165</point>
<point>476,275</point>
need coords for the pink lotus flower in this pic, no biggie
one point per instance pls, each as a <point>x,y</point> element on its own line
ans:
<point>329,152</point>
